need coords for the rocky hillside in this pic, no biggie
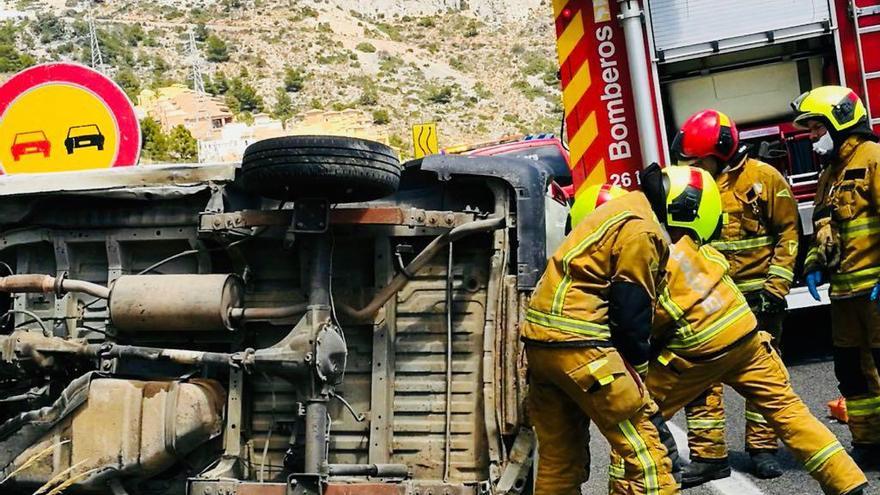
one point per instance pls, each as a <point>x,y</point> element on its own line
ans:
<point>480,68</point>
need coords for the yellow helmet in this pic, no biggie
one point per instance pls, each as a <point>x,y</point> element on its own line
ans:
<point>836,106</point>
<point>693,201</point>
<point>589,198</point>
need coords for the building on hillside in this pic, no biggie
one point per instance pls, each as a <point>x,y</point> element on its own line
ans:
<point>349,122</point>
<point>229,146</point>
<point>203,115</point>
<point>15,15</point>
<point>230,141</point>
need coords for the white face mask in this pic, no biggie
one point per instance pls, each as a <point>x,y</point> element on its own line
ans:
<point>824,144</point>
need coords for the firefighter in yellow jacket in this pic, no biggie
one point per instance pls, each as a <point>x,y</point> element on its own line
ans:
<point>846,247</point>
<point>759,238</point>
<point>586,338</point>
<point>704,332</point>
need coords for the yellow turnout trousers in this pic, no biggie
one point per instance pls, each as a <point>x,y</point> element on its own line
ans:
<point>755,370</point>
<point>855,332</point>
<point>705,414</point>
<point>569,387</point>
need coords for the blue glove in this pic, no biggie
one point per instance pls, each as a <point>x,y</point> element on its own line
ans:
<point>875,293</point>
<point>814,279</point>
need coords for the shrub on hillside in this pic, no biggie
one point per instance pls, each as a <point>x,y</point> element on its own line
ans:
<point>381,117</point>
<point>365,47</point>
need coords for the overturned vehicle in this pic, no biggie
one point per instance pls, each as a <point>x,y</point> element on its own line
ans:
<point>318,319</point>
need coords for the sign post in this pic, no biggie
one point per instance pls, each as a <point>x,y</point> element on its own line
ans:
<point>424,138</point>
<point>65,117</point>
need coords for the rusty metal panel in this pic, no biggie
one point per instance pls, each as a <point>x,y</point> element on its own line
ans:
<point>509,358</point>
<point>364,489</point>
<point>383,362</point>
<point>232,487</point>
<point>152,179</point>
<point>419,385</point>
<point>261,489</point>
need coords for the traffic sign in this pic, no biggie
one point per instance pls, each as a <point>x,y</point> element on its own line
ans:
<point>424,138</point>
<point>65,117</point>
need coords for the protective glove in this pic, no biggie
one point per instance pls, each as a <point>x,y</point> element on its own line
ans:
<point>828,243</point>
<point>771,303</point>
<point>875,293</point>
<point>814,280</point>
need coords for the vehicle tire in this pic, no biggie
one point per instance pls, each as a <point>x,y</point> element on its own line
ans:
<point>100,147</point>
<point>340,169</point>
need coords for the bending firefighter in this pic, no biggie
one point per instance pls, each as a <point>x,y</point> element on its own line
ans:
<point>759,238</point>
<point>846,247</point>
<point>586,337</point>
<point>705,333</point>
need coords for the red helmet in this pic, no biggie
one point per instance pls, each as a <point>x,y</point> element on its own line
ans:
<point>707,133</point>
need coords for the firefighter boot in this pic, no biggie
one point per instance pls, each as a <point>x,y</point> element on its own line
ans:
<point>703,471</point>
<point>765,465</point>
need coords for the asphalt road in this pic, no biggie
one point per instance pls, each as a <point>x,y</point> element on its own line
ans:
<point>806,349</point>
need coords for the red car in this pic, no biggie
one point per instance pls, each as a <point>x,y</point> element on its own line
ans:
<point>28,143</point>
<point>543,148</point>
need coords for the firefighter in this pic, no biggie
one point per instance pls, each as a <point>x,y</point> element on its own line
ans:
<point>846,248</point>
<point>589,198</point>
<point>586,338</point>
<point>704,332</point>
<point>759,238</point>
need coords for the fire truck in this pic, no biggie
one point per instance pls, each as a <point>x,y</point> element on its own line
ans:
<point>633,71</point>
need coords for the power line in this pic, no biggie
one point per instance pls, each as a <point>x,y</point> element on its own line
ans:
<point>195,60</point>
<point>196,64</point>
<point>97,57</point>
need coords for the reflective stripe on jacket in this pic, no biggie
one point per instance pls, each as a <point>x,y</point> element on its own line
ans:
<point>849,191</point>
<point>620,241</point>
<point>700,310</point>
<point>759,234</point>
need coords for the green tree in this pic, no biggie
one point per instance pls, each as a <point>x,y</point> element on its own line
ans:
<point>114,48</point>
<point>48,27</point>
<point>182,146</point>
<point>283,109</point>
<point>294,80</point>
<point>201,32</point>
<point>160,71</point>
<point>220,85</point>
<point>154,142</point>
<point>242,97</point>
<point>129,82</point>
<point>13,61</point>
<point>216,49</point>
<point>134,34</point>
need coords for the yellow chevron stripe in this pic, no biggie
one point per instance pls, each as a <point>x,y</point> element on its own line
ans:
<point>576,88</point>
<point>558,5</point>
<point>597,175</point>
<point>568,40</point>
<point>583,138</point>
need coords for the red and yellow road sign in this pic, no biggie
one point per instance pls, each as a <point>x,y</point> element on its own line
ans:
<point>65,117</point>
<point>596,93</point>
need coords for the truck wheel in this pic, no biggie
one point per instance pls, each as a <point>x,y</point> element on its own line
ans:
<point>340,169</point>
